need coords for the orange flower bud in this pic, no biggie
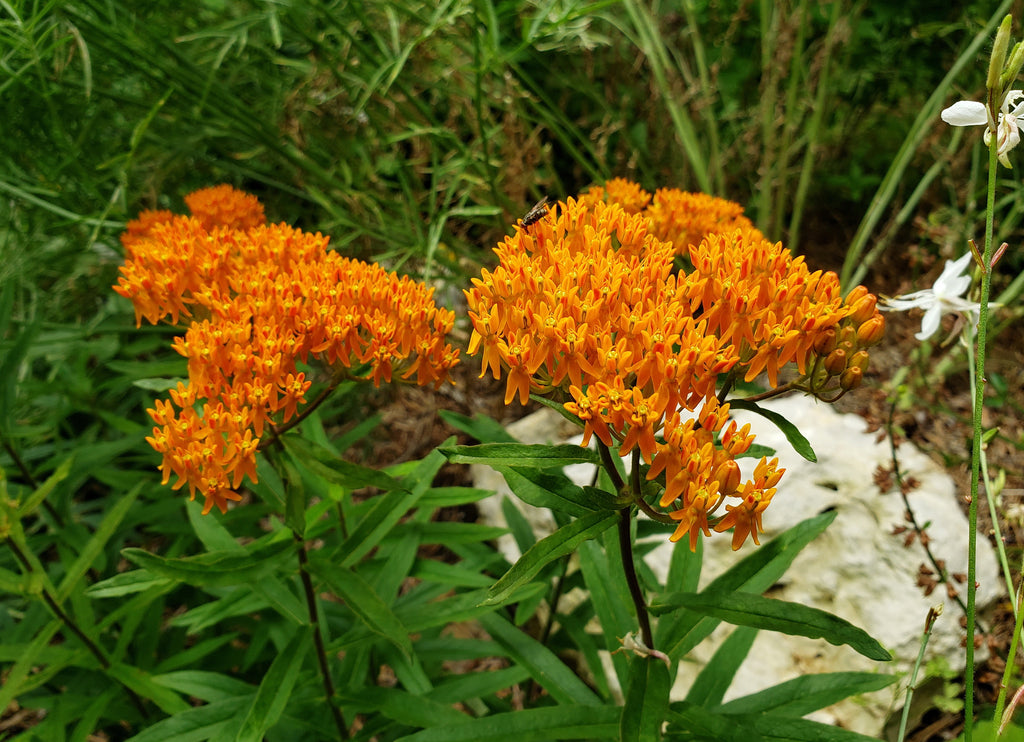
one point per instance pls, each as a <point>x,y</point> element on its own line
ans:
<point>864,309</point>
<point>871,331</point>
<point>835,362</point>
<point>825,343</point>
<point>851,379</point>
<point>859,360</point>
<point>858,293</point>
<point>728,477</point>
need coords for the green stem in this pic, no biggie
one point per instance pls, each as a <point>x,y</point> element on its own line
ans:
<point>928,624</point>
<point>629,568</point>
<point>979,402</point>
<point>1011,665</point>
<point>318,639</point>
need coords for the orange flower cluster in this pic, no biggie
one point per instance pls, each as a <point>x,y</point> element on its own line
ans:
<point>676,216</point>
<point>586,301</point>
<point>261,298</point>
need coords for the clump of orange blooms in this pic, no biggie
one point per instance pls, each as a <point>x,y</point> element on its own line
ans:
<point>261,298</point>
<point>587,305</point>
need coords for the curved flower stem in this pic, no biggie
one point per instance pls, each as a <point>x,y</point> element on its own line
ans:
<point>979,402</point>
<point>629,568</point>
<point>318,638</point>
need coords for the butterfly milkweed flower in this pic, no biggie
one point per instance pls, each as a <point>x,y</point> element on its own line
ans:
<point>587,305</point>
<point>258,300</point>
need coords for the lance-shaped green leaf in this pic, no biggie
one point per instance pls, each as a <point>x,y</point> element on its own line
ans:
<point>216,568</point>
<point>521,454</point>
<point>530,725</point>
<point>275,689</point>
<point>646,700</point>
<point>546,489</point>
<point>326,463</point>
<point>796,439</point>
<point>752,574</point>
<point>807,693</point>
<point>756,611</point>
<point>361,598</point>
<point>561,542</point>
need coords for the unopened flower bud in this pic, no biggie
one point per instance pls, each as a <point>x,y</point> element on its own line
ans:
<point>825,342</point>
<point>998,59</point>
<point>835,362</point>
<point>864,309</point>
<point>851,379</point>
<point>847,336</point>
<point>871,332</point>
<point>856,294</point>
<point>728,477</point>
<point>859,360</point>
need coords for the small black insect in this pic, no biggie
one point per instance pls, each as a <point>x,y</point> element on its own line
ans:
<point>538,212</point>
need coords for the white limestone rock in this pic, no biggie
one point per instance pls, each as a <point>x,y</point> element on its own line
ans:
<point>857,569</point>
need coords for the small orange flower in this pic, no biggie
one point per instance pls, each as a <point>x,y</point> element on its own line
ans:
<point>589,301</point>
<point>262,298</point>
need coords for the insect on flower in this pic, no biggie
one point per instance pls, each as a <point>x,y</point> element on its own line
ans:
<point>535,214</point>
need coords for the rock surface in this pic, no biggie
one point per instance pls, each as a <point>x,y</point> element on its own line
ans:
<point>857,569</point>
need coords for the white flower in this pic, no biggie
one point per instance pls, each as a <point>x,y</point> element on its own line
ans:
<point>942,298</point>
<point>972,113</point>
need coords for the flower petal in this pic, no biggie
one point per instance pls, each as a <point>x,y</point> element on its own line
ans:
<point>930,322</point>
<point>965,113</point>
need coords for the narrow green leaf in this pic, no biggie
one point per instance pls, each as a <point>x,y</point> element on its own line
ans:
<point>326,463</point>
<point>276,688</point>
<point>142,683</point>
<point>561,542</point>
<point>41,492</point>
<point>401,706</point>
<point>480,427</point>
<point>365,603</point>
<point>126,583</point>
<point>714,680</point>
<point>217,568</point>
<point>796,439</point>
<point>386,511</point>
<point>548,489</point>
<point>192,725</point>
<point>753,574</point>
<point>696,722</point>
<point>802,730</point>
<point>745,609</point>
<point>295,499</point>
<point>807,693</point>
<point>520,527</point>
<point>521,454</point>
<point>205,685</point>
<point>545,667</point>
<point>94,547</point>
<point>16,679</point>
<point>646,700</point>
<point>530,725</point>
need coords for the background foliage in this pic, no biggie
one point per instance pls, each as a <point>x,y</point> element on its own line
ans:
<point>413,133</point>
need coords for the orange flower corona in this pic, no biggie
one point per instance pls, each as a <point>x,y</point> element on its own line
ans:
<point>586,305</point>
<point>260,299</point>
